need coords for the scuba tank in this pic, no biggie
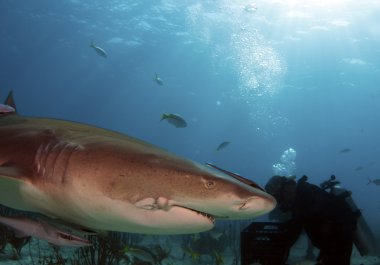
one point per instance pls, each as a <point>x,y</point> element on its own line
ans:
<point>364,239</point>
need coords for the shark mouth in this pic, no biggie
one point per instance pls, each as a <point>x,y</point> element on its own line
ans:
<point>162,203</point>
<point>210,217</point>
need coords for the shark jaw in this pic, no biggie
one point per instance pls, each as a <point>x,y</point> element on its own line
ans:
<point>160,216</point>
<point>171,220</point>
<point>148,216</point>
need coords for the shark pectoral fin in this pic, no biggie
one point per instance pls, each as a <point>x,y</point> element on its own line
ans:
<point>20,234</point>
<point>17,226</point>
<point>11,188</point>
<point>10,171</point>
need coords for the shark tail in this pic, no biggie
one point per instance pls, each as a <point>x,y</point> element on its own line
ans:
<point>369,181</point>
<point>163,117</point>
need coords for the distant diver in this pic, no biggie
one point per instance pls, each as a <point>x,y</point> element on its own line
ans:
<point>328,214</point>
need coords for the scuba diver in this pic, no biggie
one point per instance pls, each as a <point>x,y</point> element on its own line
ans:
<point>327,219</point>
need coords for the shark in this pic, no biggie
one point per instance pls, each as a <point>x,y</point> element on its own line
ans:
<point>108,181</point>
<point>25,227</point>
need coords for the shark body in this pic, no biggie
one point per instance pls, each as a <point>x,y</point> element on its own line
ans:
<point>104,180</point>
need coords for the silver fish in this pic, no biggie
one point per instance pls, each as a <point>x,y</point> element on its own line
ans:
<point>101,52</point>
<point>174,119</point>
<point>158,80</point>
<point>374,181</point>
<point>222,146</point>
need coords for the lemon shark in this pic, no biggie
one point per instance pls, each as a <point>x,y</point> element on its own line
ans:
<point>105,180</point>
<point>25,227</point>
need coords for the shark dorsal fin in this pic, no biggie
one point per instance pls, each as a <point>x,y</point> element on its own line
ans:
<point>10,100</point>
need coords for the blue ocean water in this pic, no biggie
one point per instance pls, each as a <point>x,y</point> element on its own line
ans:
<point>264,75</point>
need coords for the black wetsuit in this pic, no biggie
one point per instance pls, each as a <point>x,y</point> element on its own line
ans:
<point>328,221</point>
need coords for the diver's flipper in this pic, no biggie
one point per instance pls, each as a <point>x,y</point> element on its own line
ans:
<point>364,239</point>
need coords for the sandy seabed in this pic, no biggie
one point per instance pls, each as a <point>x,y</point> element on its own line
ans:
<point>31,254</point>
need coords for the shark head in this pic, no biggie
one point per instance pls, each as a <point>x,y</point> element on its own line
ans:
<point>160,193</point>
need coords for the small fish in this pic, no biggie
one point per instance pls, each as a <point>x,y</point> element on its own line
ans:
<point>219,260</point>
<point>141,253</point>
<point>222,146</point>
<point>215,234</point>
<point>195,255</point>
<point>25,227</point>
<point>345,150</point>
<point>358,168</point>
<point>158,80</point>
<point>250,8</point>
<point>99,50</point>
<point>174,119</point>
<point>195,237</point>
<point>372,163</point>
<point>6,109</point>
<point>375,181</point>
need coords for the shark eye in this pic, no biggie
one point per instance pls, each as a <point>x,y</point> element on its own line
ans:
<point>210,184</point>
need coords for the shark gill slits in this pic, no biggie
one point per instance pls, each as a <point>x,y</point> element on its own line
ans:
<point>52,158</point>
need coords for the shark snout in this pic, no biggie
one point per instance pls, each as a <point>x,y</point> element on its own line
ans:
<point>257,205</point>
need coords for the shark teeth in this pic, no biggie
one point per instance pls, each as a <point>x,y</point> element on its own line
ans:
<point>209,216</point>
